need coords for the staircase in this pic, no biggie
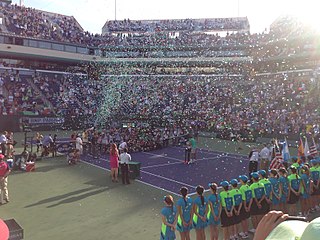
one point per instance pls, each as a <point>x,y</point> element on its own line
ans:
<point>43,97</point>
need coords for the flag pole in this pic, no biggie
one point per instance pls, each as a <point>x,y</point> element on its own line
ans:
<point>115,10</point>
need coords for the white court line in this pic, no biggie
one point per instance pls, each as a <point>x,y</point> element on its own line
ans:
<point>103,159</point>
<point>168,179</point>
<point>161,156</point>
<point>137,180</point>
<point>162,189</point>
<point>91,164</point>
<point>206,190</point>
<point>149,184</point>
<point>234,158</point>
<point>161,165</point>
<point>210,151</point>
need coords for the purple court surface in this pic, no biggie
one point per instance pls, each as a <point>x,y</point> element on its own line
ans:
<point>165,169</point>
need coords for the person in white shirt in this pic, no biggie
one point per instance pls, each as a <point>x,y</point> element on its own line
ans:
<point>264,158</point>
<point>46,143</point>
<point>124,160</point>
<point>79,144</point>
<point>3,142</point>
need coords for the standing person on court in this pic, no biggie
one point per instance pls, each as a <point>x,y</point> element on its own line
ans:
<point>54,145</point>
<point>253,161</point>
<point>193,155</point>
<point>315,176</point>
<point>284,189</point>
<point>258,196</point>
<point>294,191</point>
<point>169,219</point>
<point>265,156</point>
<point>187,153</point>
<point>85,140</point>
<point>4,172</point>
<point>276,189</point>
<point>38,138</point>
<point>238,205</point>
<point>124,159</point>
<point>3,142</point>
<point>247,202</point>
<point>200,210</point>
<point>185,213</point>
<point>305,190</point>
<point>214,212</point>
<point>227,205</point>
<point>267,190</point>
<point>79,144</point>
<point>114,162</point>
<point>46,144</point>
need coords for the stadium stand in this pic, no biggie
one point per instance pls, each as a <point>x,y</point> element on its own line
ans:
<point>174,71</point>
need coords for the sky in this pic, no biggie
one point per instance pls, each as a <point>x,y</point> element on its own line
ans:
<point>92,14</point>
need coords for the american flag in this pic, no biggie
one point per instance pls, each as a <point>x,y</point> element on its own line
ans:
<point>313,149</point>
<point>277,161</point>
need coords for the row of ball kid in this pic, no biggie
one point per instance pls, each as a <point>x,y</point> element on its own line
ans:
<point>304,186</point>
<point>238,201</point>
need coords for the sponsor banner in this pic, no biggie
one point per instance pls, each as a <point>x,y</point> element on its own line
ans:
<point>64,148</point>
<point>49,120</point>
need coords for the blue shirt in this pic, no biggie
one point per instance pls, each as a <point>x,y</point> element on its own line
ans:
<point>185,208</point>
<point>201,208</point>
<point>306,179</point>
<point>215,201</point>
<point>285,184</point>
<point>169,213</point>
<point>275,184</point>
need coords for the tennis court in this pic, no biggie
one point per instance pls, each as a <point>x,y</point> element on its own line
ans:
<point>165,169</point>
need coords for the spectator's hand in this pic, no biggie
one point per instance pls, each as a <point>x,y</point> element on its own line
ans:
<point>268,223</point>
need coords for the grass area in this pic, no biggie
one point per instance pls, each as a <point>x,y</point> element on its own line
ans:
<point>58,201</point>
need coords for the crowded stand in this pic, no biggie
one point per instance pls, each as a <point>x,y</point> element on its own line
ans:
<point>284,103</point>
<point>30,22</point>
<point>178,38</point>
<point>20,97</point>
<point>215,24</point>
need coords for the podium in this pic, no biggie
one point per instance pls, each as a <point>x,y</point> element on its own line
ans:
<point>134,170</point>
